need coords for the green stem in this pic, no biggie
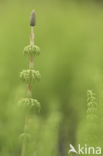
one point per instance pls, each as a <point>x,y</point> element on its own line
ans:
<point>24,142</point>
<point>23,149</point>
<point>29,92</point>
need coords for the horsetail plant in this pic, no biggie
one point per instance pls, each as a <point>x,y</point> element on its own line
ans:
<point>28,76</point>
<point>92,119</point>
<point>91,105</point>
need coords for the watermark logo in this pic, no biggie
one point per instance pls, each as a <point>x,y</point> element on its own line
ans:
<point>85,149</point>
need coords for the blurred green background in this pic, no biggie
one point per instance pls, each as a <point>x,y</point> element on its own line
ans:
<point>70,36</point>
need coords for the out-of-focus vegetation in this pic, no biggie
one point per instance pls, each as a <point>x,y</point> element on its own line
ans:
<point>70,34</point>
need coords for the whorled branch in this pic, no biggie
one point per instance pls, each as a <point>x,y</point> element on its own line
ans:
<point>30,75</point>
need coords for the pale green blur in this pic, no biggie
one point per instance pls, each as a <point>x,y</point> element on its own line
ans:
<point>70,36</point>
